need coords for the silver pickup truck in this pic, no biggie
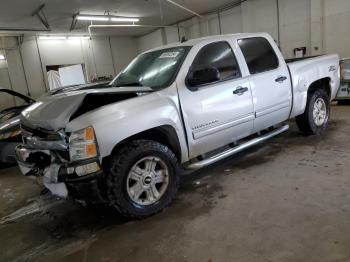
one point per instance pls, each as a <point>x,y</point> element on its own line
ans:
<point>177,107</point>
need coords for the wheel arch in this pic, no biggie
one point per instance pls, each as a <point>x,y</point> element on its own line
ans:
<point>306,121</point>
<point>304,89</point>
<point>165,135</point>
<point>320,84</point>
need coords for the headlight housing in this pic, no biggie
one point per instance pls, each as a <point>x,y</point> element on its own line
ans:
<point>82,144</point>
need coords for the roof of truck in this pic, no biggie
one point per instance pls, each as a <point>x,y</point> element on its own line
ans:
<point>209,39</point>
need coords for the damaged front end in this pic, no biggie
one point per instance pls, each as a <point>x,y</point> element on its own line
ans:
<point>68,163</point>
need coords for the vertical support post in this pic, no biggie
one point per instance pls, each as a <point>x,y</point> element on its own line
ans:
<point>93,56</point>
<point>219,19</point>
<point>86,72</point>
<point>113,62</point>
<point>278,23</point>
<point>41,63</point>
<point>22,63</point>
<point>323,26</point>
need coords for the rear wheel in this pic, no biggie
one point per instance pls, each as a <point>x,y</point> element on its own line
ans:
<point>143,178</point>
<point>315,119</point>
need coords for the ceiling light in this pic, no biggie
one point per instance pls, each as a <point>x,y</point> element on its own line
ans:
<point>124,19</point>
<point>78,37</point>
<point>107,18</point>
<point>52,37</point>
<point>2,57</point>
<point>92,18</point>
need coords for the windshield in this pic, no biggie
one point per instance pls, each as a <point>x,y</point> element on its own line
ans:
<point>153,69</point>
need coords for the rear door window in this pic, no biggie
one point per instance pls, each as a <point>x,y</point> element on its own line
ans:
<point>259,54</point>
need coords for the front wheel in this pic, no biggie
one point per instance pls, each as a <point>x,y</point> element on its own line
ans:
<point>143,178</point>
<point>315,119</point>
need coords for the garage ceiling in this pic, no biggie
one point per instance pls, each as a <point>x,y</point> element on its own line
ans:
<point>17,13</point>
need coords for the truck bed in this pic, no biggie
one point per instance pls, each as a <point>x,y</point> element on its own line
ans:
<point>307,70</point>
<point>291,60</point>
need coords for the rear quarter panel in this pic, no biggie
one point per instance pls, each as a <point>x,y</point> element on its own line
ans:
<point>306,72</point>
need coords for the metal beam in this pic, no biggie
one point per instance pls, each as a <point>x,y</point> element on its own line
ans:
<point>220,9</point>
<point>184,8</point>
<point>20,41</point>
<point>9,29</point>
<point>42,66</point>
<point>39,12</point>
<point>74,22</point>
<point>125,25</point>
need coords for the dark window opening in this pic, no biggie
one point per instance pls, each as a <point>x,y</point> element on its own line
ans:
<point>220,56</point>
<point>259,54</point>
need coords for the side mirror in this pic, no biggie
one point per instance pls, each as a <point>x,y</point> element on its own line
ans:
<point>202,76</point>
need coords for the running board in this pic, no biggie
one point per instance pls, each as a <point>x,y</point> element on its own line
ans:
<point>237,149</point>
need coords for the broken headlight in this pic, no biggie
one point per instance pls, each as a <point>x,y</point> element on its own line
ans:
<point>82,144</point>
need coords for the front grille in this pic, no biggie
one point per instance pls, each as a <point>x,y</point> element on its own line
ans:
<point>64,155</point>
<point>41,133</point>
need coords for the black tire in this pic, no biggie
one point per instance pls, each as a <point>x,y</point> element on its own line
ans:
<point>121,163</point>
<point>305,122</point>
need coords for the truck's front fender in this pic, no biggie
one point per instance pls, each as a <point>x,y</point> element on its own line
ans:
<point>116,122</point>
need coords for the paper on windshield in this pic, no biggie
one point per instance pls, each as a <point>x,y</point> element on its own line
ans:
<point>169,55</point>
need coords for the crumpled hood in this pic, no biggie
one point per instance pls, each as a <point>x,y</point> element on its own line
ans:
<point>54,112</point>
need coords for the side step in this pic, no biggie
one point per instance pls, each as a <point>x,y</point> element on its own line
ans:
<point>237,149</point>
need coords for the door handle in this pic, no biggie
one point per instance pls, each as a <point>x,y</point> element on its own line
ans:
<point>281,79</point>
<point>240,90</point>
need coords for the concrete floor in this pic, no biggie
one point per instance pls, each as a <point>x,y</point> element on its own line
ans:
<point>286,200</point>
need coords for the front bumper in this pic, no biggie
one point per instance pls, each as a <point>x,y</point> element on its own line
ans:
<point>59,176</point>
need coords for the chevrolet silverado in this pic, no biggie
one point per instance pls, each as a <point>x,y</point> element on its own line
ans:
<point>178,107</point>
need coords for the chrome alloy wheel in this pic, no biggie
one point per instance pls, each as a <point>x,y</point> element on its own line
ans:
<point>320,112</point>
<point>147,180</point>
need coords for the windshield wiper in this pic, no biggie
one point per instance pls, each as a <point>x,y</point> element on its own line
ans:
<point>130,84</point>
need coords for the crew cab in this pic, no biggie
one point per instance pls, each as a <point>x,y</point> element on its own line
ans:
<point>174,108</point>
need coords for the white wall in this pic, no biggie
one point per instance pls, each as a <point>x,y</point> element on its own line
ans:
<point>171,35</point>
<point>32,67</point>
<point>150,41</point>
<point>24,69</point>
<point>4,82</point>
<point>260,16</point>
<point>12,71</point>
<point>231,21</point>
<point>102,56</point>
<point>336,31</point>
<point>319,25</point>
<point>295,25</point>
<point>124,49</point>
<point>251,16</point>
